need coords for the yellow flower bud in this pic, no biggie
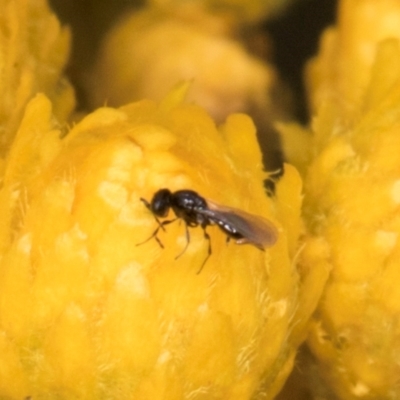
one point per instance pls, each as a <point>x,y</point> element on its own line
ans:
<point>86,313</point>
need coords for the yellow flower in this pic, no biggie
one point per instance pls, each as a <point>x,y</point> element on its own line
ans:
<point>352,201</point>
<point>150,51</point>
<point>86,313</point>
<point>245,11</point>
<point>342,70</point>
<point>33,51</point>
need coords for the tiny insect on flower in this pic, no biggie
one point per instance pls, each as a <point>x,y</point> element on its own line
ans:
<point>195,211</point>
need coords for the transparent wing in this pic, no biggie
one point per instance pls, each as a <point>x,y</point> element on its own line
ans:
<point>253,229</point>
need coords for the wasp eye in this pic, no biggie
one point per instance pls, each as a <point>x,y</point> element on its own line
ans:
<point>160,203</point>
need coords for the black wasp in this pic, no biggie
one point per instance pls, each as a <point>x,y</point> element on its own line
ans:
<point>195,210</point>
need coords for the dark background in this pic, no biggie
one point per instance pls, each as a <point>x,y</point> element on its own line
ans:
<point>296,37</point>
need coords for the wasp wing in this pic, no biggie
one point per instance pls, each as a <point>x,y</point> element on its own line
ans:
<point>242,226</point>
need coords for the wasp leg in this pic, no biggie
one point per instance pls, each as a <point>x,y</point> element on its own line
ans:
<point>154,234</point>
<point>187,241</point>
<point>209,252</point>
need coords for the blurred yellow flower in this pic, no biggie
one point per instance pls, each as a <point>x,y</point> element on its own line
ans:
<point>148,52</point>
<point>33,51</point>
<point>245,11</point>
<point>342,70</point>
<point>352,200</point>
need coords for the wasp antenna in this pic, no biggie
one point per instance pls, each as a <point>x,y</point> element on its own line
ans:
<point>148,206</point>
<point>153,235</point>
<point>161,224</point>
<point>146,203</point>
<point>159,241</point>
